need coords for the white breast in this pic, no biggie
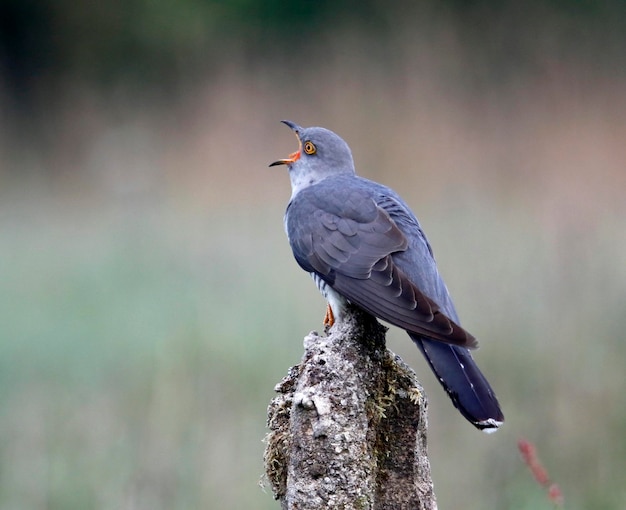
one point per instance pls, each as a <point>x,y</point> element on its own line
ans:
<point>336,301</point>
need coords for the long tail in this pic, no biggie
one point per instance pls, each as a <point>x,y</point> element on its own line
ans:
<point>459,375</point>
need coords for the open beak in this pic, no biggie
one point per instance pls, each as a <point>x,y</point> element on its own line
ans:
<point>294,156</point>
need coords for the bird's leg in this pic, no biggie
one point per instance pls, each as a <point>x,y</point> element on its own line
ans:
<point>329,318</point>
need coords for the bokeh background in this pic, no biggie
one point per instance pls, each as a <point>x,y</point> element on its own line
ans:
<point>148,298</point>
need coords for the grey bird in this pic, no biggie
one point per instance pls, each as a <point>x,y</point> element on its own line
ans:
<point>364,246</point>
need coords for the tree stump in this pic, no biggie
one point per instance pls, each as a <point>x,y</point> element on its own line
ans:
<point>348,426</point>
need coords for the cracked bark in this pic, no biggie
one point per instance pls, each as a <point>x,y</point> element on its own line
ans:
<point>348,426</point>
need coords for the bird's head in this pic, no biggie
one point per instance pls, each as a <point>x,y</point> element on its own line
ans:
<point>321,153</point>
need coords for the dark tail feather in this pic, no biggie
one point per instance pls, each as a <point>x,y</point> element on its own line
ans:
<point>464,382</point>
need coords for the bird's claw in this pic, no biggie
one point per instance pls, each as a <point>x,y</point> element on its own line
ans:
<point>329,318</point>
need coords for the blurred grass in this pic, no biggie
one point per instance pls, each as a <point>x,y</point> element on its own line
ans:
<point>149,301</point>
<point>133,359</point>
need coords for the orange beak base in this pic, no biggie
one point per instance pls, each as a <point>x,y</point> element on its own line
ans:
<point>293,157</point>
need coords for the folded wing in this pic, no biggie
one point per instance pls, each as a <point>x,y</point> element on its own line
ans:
<point>349,241</point>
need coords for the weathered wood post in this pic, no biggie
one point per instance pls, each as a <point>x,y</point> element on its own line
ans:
<point>348,426</point>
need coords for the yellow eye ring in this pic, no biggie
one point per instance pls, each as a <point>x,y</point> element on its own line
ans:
<point>309,148</point>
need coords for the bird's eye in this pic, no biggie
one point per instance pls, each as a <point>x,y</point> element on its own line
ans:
<point>309,148</point>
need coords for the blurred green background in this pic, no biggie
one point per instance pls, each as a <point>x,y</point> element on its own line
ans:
<point>148,298</point>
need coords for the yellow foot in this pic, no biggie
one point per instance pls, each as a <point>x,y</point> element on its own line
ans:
<point>329,318</point>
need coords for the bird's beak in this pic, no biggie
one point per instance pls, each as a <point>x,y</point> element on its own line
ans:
<point>294,156</point>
